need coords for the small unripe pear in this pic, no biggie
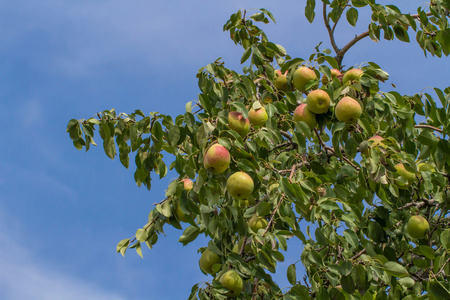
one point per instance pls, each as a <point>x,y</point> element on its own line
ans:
<point>417,227</point>
<point>232,281</point>
<point>258,117</point>
<point>301,76</point>
<point>302,113</point>
<point>318,101</point>
<point>256,223</point>
<point>217,159</point>
<point>348,110</point>
<point>411,177</point>
<point>208,260</point>
<point>352,75</point>
<point>281,81</point>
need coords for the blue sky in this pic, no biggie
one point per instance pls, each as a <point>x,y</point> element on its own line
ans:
<point>62,211</point>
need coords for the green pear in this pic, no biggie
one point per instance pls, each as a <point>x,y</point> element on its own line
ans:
<point>256,223</point>
<point>217,159</point>
<point>348,110</point>
<point>411,177</point>
<point>232,281</point>
<point>301,76</point>
<point>281,81</point>
<point>258,117</point>
<point>352,75</point>
<point>318,101</point>
<point>240,185</point>
<point>417,227</point>
<point>208,260</point>
<point>302,113</point>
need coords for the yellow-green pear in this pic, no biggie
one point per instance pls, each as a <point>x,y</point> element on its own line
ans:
<point>302,113</point>
<point>208,260</point>
<point>301,76</point>
<point>256,223</point>
<point>258,117</point>
<point>232,281</point>
<point>217,159</point>
<point>417,227</point>
<point>318,101</point>
<point>240,185</point>
<point>348,110</point>
<point>352,75</point>
<point>411,177</point>
<point>281,81</point>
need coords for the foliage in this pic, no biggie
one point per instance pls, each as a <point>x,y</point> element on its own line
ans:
<point>332,187</point>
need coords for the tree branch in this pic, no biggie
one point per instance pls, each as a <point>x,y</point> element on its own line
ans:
<point>330,31</point>
<point>429,127</point>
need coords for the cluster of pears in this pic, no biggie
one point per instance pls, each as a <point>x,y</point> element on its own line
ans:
<point>240,186</point>
<point>230,279</point>
<point>406,178</point>
<point>318,101</point>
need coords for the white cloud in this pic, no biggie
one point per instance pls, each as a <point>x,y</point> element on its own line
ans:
<point>23,276</point>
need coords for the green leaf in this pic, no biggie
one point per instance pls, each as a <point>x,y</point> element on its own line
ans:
<point>246,55</point>
<point>359,275</point>
<point>445,239</point>
<point>189,235</point>
<point>174,135</point>
<point>401,33</point>
<point>351,238</point>
<point>395,269</point>
<point>110,147</point>
<point>407,282</point>
<point>437,289</point>
<point>291,274</point>
<point>352,16</point>
<point>443,37</point>
<point>268,13</point>
<point>428,252</point>
<point>71,124</point>
<point>263,208</point>
<point>320,237</point>
<point>309,10</point>
<point>346,267</point>
<point>348,285</point>
<point>139,250</point>
<point>427,138</point>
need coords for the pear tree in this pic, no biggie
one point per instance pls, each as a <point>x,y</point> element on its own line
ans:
<point>306,149</point>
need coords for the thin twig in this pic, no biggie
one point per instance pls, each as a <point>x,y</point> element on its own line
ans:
<point>358,254</point>
<point>273,215</point>
<point>429,127</point>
